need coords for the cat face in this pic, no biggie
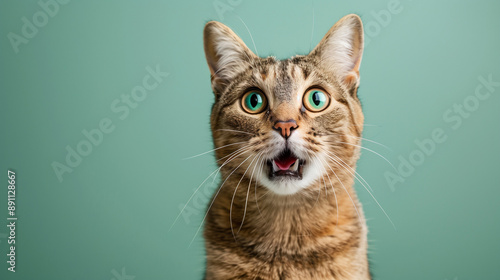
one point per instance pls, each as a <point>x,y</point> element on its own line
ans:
<point>286,123</point>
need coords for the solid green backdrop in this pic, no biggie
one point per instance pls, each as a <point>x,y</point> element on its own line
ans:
<point>114,95</point>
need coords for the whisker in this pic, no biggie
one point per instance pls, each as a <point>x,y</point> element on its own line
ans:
<point>198,188</point>
<point>365,139</point>
<point>381,208</point>
<point>234,194</point>
<point>340,181</point>
<point>232,144</point>
<point>213,200</point>
<point>249,33</point>
<point>255,186</point>
<point>333,189</point>
<point>246,147</point>
<point>390,163</point>
<point>245,151</point>
<point>355,174</point>
<point>324,183</point>
<point>248,192</point>
<point>233,130</point>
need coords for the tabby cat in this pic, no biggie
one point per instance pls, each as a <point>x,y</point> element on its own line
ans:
<point>287,135</point>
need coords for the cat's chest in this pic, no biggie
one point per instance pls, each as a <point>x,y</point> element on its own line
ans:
<point>289,259</point>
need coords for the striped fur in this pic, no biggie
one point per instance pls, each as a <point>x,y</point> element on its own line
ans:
<point>318,230</point>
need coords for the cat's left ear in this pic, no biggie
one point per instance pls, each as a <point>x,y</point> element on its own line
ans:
<point>341,50</point>
<point>226,54</point>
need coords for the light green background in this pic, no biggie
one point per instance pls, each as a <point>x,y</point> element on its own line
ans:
<point>115,209</point>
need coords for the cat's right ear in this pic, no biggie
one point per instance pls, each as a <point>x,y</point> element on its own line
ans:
<point>226,54</point>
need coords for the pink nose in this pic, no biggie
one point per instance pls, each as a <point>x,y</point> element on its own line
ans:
<point>285,128</point>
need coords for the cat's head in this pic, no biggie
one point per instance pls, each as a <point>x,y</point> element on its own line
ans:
<point>286,123</point>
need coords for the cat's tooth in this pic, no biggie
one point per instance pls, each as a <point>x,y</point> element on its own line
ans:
<point>295,166</point>
<point>275,167</point>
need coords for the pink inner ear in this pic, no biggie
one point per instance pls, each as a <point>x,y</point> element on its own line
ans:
<point>351,78</point>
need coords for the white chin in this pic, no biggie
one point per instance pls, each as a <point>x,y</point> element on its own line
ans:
<point>289,185</point>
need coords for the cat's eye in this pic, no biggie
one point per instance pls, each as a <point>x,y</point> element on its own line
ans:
<point>254,102</point>
<point>315,100</point>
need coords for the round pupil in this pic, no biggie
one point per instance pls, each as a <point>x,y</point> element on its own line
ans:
<point>254,101</point>
<point>318,98</point>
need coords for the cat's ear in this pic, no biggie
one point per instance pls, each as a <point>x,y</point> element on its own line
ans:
<point>226,54</point>
<point>341,50</point>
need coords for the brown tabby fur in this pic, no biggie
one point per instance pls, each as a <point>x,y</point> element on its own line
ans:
<point>318,232</point>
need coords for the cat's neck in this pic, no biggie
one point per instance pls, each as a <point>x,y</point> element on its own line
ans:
<point>254,214</point>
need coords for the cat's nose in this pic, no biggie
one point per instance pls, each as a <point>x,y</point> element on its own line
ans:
<point>285,128</point>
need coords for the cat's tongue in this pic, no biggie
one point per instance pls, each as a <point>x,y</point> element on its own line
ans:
<point>285,163</point>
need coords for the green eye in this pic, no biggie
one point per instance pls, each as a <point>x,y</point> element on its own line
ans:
<point>316,100</point>
<point>254,102</point>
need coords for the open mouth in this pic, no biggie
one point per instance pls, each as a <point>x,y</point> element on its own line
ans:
<point>286,165</point>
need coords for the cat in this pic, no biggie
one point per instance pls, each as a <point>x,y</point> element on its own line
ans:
<point>287,136</point>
